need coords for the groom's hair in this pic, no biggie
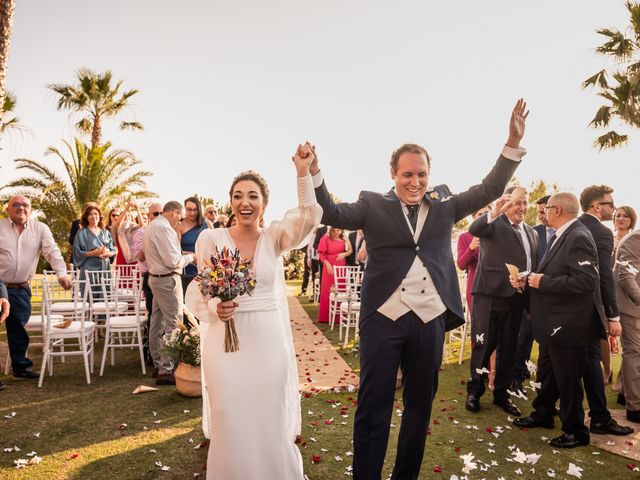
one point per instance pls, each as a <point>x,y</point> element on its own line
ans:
<point>408,148</point>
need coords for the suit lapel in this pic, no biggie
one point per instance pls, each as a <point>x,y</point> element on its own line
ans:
<point>554,249</point>
<point>431,215</point>
<point>395,208</point>
<point>513,230</point>
<point>530,233</point>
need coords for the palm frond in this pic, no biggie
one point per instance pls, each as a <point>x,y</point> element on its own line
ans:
<point>610,140</point>
<point>131,126</point>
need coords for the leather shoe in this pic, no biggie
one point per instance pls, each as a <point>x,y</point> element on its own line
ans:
<point>532,422</point>
<point>165,379</point>
<point>609,428</point>
<point>508,406</point>
<point>472,404</point>
<point>568,440</point>
<point>632,415</point>
<point>25,374</point>
<point>621,400</point>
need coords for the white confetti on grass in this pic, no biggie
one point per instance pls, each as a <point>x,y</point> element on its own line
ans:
<point>574,470</point>
<point>10,416</point>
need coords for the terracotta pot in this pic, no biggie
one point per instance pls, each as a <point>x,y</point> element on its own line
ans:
<point>188,380</point>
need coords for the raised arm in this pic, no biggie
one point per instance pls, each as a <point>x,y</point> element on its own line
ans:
<point>294,229</point>
<point>495,182</point>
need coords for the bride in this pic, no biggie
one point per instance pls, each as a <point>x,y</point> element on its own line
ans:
<point>252,394</point>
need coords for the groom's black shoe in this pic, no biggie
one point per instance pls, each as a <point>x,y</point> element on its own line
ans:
<point>473,403</point>
<point>508,406</point>
<point>531,422</point>
<point>568,440</point>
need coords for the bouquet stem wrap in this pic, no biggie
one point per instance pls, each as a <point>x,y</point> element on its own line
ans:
<point>227,276</point>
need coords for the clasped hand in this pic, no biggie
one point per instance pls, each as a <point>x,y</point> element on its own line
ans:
<point>225,310</point>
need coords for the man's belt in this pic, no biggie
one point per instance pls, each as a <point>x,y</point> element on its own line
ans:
<point>17,285</point>
<point>163,275</point>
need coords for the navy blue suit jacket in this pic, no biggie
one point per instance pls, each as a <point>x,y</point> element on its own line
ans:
<point>542,236</point>
<point>391,249</point>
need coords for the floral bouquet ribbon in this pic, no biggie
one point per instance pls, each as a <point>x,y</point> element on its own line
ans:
<point>226,276</point>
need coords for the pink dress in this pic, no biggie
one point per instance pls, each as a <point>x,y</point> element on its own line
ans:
<point>328,249</point>
<point>467,261</point>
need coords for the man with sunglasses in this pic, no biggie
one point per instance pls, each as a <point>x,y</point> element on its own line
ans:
<point>155,209</point>
<point>597,204</point>
<point>22,241</point>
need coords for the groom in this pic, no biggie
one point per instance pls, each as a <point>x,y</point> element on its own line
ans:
<point>410,293</point>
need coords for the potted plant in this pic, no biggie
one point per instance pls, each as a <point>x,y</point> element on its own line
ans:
<point>183,344</point>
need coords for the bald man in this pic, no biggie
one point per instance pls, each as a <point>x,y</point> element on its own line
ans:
<point>566,315</point>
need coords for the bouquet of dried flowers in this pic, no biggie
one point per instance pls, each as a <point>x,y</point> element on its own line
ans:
<point>227,276</point>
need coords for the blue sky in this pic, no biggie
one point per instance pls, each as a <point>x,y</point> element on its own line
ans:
<point>230,86</point>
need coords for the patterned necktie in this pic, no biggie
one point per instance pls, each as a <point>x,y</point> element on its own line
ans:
<point>412,215</point>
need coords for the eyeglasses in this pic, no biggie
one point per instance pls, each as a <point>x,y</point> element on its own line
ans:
<point>155,214</point>
<point>607,203</point>
<point>115,215</point>
<point>210,212</point>
<point>549,207</point>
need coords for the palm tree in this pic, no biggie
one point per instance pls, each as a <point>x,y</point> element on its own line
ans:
<point>620,88</point>
<point>8,106</point>
<point>94,99</point>
<point>92,174</point>
<point>6,27</point>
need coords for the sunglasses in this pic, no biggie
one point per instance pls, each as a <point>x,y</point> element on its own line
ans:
<point>155,214</point>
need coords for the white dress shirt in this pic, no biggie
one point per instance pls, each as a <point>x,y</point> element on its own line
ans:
<point>162,248</point>
<point>19,252</point>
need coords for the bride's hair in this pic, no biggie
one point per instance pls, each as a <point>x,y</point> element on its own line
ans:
<point>254,177</point>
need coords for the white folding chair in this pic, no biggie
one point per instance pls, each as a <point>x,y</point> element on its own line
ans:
<point>101,304</point>
<point>350,309</point>
<point>124,328</point>
<point>315,290</point>
<point>338,292</point>
<point>79,332</point>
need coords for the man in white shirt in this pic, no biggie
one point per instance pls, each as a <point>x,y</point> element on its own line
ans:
<point>155,209</point>
<point>165,261</point>
<point>22,240</point>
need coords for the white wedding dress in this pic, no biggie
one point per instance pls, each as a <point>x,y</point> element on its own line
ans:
<point>252,395</point>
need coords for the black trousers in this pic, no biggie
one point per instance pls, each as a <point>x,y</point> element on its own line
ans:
<point>148,301</point>
<point>386,345</point>
<point>496,320</point>
<point>594,385</point>
<point>305,274</point>
<point>560,370</point>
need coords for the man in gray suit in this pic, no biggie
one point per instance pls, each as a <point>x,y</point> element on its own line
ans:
<point>627,276</point>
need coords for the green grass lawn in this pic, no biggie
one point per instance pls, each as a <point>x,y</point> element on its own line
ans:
<point>80,433</point>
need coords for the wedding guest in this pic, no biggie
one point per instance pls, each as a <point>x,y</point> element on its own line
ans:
<point>93,247</point>
<point>22,241</point>
<point>221,221</point>
<point>333,250</point>
<point>624,222</point>
<point>252,436</point>
<point>190,229</point>
<point>598,207</point>
<point>75,226</point>
<point>567,316</point>
<point>356,239</point>
<point>210,214</point>
<point>155,210</point>
<point>165,260</point>
<point>410,293</point>
<point>498,308</point>
<point>122,229</point>
<point>525,336</point>
<point>627,274</point>
<point>467,261</point>
<point>232,222</point>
